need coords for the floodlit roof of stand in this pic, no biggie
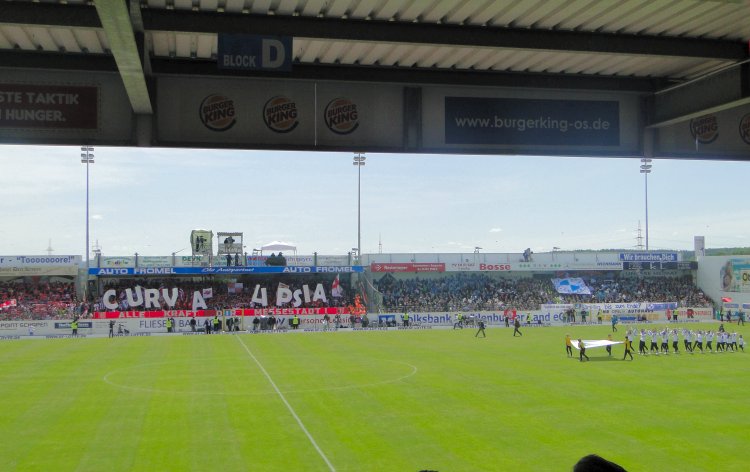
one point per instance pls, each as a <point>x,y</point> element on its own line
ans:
<point>641,45</point>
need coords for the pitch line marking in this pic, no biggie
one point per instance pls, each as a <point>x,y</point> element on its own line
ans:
<point>289,407</point>
<point>107,380</point>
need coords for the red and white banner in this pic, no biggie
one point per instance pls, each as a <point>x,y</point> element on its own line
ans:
<point>7,304</point>
<point>408,267</point>
<point>209,313</point>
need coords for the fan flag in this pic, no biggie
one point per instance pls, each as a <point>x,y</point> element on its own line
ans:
<point>726,299</point>
<point>336,290</point>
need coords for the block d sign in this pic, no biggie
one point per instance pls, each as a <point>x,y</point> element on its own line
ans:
<point>252,52</point>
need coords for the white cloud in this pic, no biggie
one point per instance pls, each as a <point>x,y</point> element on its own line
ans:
<point>496,230</point>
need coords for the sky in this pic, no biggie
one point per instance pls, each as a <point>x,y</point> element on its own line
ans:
<point>147,200</point>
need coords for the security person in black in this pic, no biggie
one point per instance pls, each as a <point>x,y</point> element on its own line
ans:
<point>111,328</point>
<point>481,329</point>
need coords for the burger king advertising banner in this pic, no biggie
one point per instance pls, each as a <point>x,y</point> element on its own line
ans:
<point>279,113</point>
<point>530,121</point>
<point>722,134</point>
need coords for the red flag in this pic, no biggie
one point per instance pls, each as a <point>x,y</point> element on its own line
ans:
<point>726,299</point>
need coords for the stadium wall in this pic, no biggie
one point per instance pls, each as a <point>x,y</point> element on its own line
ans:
<point>142,325</point>
<point>725,277</point>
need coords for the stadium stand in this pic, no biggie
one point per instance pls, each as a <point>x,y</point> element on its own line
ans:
<point>56,300</point>
<point>472,291</point>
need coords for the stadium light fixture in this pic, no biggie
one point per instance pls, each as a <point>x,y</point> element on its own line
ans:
<point>359,161</point>
<point>645,170</point>
<point>87,157</point>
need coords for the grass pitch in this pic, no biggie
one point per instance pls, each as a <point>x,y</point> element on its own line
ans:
<point>440,400</point>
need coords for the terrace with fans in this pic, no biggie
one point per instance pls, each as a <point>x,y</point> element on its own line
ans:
<point>646,285</point>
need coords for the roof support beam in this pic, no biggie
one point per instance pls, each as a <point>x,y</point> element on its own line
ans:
<point>115,18</point>
<point>713,93</point>
<point>420,76</point>
<point>28,13</point>
<point>458,35</point>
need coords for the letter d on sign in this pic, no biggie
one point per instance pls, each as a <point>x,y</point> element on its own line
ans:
<point>271,48</point>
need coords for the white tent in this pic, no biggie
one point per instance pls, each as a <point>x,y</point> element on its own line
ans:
<point>279,246</point>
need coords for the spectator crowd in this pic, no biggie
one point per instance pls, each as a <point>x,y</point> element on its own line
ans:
<point>43,300</point>
<point>473,291</point>
<point>455,292</point>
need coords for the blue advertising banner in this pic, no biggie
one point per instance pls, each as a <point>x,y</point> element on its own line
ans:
<point>104,271</point>
<point>648,256</point>
<point>252,52</point>
<point>480,120</point>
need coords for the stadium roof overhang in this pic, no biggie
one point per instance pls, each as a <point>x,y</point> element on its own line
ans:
<point>686,59</point>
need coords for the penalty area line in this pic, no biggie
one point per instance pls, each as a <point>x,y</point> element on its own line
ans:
<point>288,406</point>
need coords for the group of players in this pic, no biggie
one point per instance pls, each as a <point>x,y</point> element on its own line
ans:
<point>692,340</point>
<point>659,342</point>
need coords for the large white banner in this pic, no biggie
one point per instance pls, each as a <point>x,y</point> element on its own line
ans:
<point>38,266</point>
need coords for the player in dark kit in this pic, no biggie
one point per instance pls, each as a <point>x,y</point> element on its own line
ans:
<point>516,325</point>
<point>628,350</point>
<point>481,329</point>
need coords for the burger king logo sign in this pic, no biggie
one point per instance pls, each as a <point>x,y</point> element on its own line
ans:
<point>217,112</point>
<point>745,128</point>
<point>280,114</point>
<point>705,129</point>
<point>341,116</point>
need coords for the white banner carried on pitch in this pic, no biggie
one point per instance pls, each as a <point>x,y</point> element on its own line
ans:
<point>589,343</point>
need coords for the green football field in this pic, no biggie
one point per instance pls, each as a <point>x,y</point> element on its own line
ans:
<point>413,400</point>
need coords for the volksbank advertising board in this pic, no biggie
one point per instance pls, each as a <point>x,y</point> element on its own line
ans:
<point>121,271</point>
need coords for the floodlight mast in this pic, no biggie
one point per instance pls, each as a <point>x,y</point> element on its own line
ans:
<point>87,157</point>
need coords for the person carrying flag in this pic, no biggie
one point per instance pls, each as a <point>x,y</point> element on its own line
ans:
<point>582,348</point>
